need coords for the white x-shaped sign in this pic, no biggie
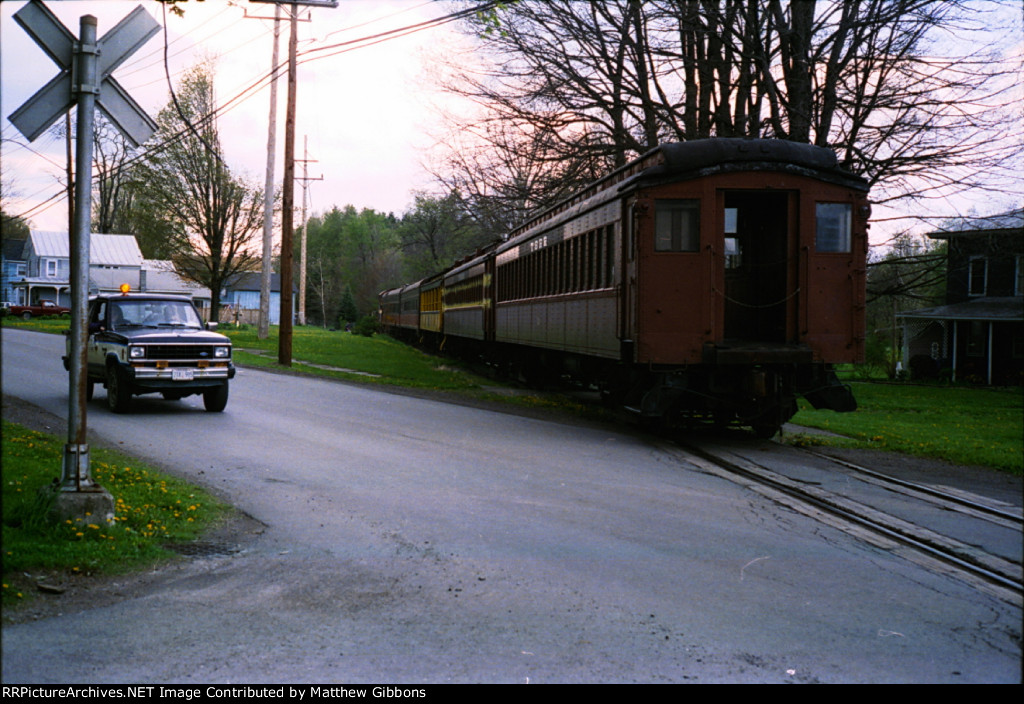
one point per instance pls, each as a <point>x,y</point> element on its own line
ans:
<point>55,98</point>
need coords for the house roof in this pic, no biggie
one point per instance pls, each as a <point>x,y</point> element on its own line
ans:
<point>162,276</point>
<point>110,250</point>
<point>1011,222</point>
<point>250,281</point>
<point>1008,309</point>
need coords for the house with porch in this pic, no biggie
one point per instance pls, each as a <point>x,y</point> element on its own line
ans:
<point>978,335</point>
<point>113,260</point>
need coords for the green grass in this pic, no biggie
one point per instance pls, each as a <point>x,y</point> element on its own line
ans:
<point>977,426</point>
<point>151,510</point>
<point>377,359</point>
<point>49,323</point>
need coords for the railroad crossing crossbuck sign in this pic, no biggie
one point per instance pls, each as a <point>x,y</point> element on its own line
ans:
<point>56,97</point>
<point>85,66</point>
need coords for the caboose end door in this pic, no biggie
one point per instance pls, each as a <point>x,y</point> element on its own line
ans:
<point>757,277</point>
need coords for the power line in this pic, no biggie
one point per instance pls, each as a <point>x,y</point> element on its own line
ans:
<point>263,80</point>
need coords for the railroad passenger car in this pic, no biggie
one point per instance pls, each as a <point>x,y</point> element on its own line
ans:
<point>400,310</point>
<point>712,280</point>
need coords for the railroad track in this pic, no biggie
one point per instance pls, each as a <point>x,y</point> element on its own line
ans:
<point>998,574</point>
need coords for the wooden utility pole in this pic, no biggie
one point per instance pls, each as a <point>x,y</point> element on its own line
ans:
<point>263,328</point>
<point>284,342</point>
<point>302,246</point>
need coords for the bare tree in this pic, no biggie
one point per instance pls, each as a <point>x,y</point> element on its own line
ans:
<point>215,216</point>
<point>880,81</point>
<point>908,275</point>
<point>11,226</point>
<point>502,172</point>
<point>113,155</point>
<point>111,175</point>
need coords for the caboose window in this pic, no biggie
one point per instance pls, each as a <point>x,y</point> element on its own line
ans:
<point>676,225</point>
<point>834,221</point>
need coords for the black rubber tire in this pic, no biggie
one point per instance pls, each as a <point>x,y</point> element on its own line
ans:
<point>119,395</point>
<point>216,399</point>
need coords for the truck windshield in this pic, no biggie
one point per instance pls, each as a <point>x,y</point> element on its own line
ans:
<point>124,314</point>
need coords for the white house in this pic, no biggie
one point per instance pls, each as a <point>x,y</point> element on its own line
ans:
<point>113,260</point>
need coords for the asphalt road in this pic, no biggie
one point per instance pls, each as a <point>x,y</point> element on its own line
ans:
<point>408,540</point>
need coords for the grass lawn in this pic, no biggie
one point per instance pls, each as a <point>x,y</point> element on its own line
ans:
<point>965,425</point>
<point>377,359</point>
<point>151,510</point>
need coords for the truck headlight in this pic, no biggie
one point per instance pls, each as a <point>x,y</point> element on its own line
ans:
<point>221,352</point>
<point>136,352</point>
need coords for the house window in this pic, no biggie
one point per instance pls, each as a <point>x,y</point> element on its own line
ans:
<point>977,273</point>
<point>833,227</point>
<point>51,267</point>
<point>676,226</point>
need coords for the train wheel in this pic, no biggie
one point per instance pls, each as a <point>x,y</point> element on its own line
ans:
<point>766,430</point>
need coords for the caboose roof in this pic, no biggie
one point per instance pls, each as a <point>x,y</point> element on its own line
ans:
<point>698,158</point>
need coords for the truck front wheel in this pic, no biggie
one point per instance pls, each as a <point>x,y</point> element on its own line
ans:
<point>216,398</point>
<point>119,393</point>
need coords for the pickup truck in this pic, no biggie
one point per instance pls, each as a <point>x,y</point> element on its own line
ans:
<point>40,308</point>
<point>154,343</point>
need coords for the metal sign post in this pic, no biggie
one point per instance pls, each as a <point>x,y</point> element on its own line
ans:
<point>85,67</point>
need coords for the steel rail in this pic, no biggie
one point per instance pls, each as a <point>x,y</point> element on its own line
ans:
<point>939,553</point>
<point>1017,518</point>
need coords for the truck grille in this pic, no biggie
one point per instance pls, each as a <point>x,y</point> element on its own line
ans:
<point>179,351</point>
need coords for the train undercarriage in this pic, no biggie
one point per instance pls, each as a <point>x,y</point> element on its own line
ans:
<point>760,396</point>
<point>739,389</point>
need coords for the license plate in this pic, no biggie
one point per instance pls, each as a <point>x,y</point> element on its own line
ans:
<point>182,374</point>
